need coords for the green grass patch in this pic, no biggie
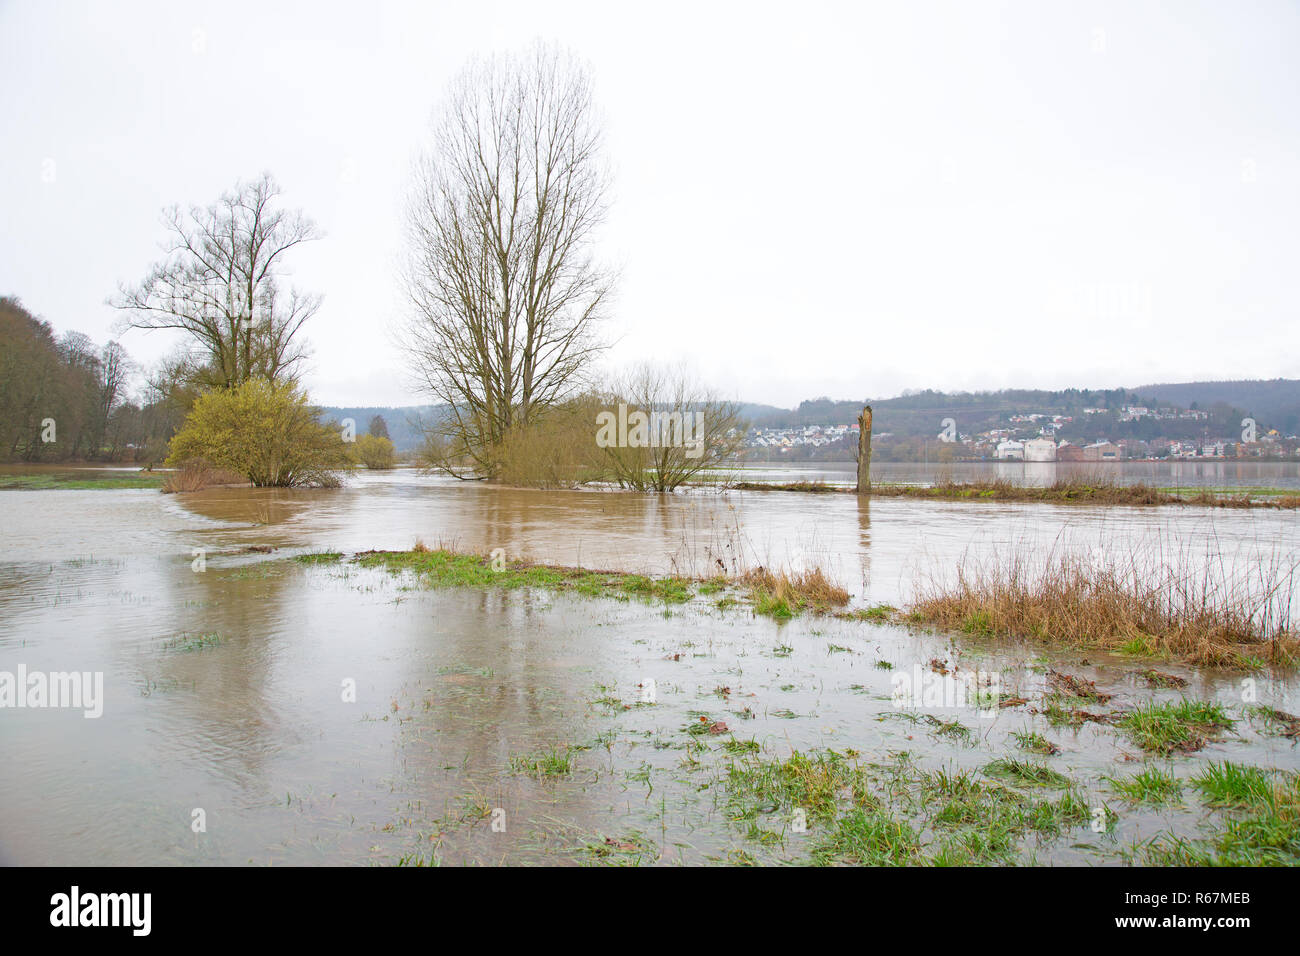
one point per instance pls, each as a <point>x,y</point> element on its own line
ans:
<point>1183,727</point>
<point>869,837</point>
<point>819,784</point>
<point>320,557</point>
<point>879,613</point>
<point>1035,743</point>
<point>82,481</point>
<point>1026,773</point>
<point>1261,825</point>
<point>1234,785</point>
<point>551,762</point>
<point>1151,786</point>
<point>442,568</point>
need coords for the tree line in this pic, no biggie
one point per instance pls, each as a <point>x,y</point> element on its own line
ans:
<point>64,398</point>
<point>505,296</point>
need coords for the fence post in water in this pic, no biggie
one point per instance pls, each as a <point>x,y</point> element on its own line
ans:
<point>864,451</point>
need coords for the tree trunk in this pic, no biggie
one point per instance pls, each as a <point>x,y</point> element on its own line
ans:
<point>864,451</point>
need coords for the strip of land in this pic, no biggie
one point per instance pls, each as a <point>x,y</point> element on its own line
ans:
<point>1062,492</point>
<point>1069,603</point>
<point>84,481</point>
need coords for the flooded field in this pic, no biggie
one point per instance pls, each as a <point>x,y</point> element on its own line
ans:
<point>321,711</point>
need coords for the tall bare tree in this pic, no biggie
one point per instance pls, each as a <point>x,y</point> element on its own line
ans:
<point>220,282</point>
<point>504,290</point>
<point>115,369</point>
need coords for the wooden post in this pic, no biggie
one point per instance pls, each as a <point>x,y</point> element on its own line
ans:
<point>864,451</point>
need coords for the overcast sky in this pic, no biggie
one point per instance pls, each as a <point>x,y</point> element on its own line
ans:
<point>844,199</point>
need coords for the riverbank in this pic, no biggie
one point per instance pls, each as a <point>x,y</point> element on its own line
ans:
<point>1061,492</point>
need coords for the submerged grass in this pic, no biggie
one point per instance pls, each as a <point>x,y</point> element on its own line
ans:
<point>199,642</point>
<point>1026,773</point>
<point>1262,825</point>
<point>896,813</point>
<point>320,557</point>
<point>629,849</point>
<point>779,594</point>
<point>1170,728</point>
<point>869,838</point>
<point>441,567</point>
<point>1034,743</point>
<point>818,784</point>
<point>1151,786</point>
<point>550,762</point>
<point>808,487</point>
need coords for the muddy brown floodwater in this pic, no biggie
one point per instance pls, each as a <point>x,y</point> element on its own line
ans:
<point>226,671</point>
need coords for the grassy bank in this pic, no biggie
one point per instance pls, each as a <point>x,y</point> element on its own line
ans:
<point>777,594</point>
<point>82,481</point>
<point>1061,492</point>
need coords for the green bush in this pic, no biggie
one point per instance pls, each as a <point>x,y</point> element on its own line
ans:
<point>375,452</point>
<point>266,431</point>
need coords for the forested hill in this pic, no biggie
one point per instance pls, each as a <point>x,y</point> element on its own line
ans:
<point>1274,403</point>
<point>1274,400</point>
<point>403,421</point>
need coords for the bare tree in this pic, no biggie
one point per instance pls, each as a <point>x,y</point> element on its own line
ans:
<point>659,429</point>
<point>220,282</point>
<point>115,369</point>
<point>504,291</point>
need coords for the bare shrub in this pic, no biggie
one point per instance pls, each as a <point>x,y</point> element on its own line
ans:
<point>1185,606</point>
<point>195,476</point>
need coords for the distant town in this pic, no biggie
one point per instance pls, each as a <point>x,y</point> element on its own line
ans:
<point>1191,420</point>
<point>1040,437</point>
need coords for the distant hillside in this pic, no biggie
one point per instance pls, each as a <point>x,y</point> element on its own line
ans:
<point>920,413</point>
<point>1273,404</point>
<point>1276,401</point>
<point>402,421</point>
<point>753,413</point>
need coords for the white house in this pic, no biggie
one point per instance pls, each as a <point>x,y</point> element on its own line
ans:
<point>1011,451</point>
<point>1040,449</point>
